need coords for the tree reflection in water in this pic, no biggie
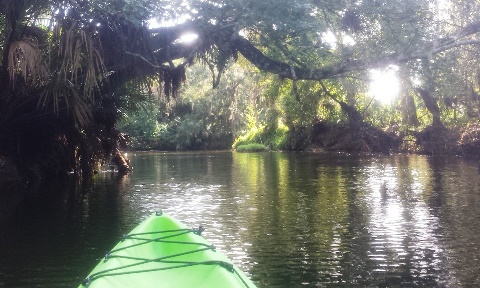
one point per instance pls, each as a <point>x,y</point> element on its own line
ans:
<point>287,220</point>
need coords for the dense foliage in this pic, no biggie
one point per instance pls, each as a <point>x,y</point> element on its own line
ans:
<point>71,69</point>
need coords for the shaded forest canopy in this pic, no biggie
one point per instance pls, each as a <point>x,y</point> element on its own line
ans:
<point>70,70</point>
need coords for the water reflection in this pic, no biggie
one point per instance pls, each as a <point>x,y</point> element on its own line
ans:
<point>405,244</point>
<point>288,220</point>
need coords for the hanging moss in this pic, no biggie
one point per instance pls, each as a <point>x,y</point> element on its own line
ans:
<point>172,80</point>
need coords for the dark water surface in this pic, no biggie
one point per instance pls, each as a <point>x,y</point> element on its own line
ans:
<point>287,220</point>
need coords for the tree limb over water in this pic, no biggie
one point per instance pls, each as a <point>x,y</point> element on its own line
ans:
<point>464,36</point>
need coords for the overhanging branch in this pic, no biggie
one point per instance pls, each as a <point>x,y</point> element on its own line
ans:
<point>165,53</point>
<point>262,62</point>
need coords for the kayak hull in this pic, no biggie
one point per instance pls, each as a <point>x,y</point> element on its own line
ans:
<point>162,252</point>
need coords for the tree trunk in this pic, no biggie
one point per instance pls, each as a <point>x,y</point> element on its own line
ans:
<point>431,105</point>
<point>407,101</point>
<point>355,119</point>
<point>123,164</point>
<point>409,110</point>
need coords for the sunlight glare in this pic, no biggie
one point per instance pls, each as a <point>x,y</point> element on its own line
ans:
<point>188,38</point>
<point>384,85</point>
<point>442,10</point>
<point>416,81</point>
<point>331,39</point>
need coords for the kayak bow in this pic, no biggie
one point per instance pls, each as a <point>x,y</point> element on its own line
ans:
<point>162,252</point>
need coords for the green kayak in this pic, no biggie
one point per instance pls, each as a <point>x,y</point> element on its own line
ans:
<point>162,252</point>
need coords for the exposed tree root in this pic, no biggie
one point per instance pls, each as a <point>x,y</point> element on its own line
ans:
<point>367,139</point>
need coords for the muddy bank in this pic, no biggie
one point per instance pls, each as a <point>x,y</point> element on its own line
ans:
<point>365,139</point>
<point>433,140</point>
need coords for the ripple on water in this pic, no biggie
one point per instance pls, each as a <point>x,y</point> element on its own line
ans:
<point>287,220</point>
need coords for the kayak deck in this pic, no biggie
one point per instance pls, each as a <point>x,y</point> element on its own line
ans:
<point>162,252</point>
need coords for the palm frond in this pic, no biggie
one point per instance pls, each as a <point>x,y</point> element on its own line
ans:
<point>79,71</point>
<point>25,60</point>
<point>62,94</point>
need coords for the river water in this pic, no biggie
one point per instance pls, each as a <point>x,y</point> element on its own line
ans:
<point>287,220</point>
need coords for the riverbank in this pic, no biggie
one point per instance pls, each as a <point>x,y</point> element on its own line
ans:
<point>433,140</point>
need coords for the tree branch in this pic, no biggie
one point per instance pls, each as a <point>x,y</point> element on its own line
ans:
<point>262,62</point>
<point>454,45</point>
<point>167,50</point>
<point>155,66</point>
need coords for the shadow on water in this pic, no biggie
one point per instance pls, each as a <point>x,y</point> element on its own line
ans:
<point>59,228</point>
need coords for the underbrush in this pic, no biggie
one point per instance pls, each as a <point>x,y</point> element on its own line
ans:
<point>275,139</point>
<point>252,147</point>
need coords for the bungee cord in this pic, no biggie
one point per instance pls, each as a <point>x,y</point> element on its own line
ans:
<point>166,262</point>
